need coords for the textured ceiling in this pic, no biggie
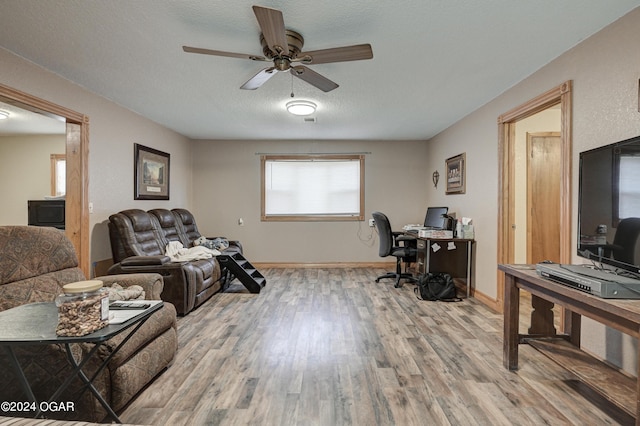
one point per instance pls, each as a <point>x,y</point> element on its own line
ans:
<point>435,61</point>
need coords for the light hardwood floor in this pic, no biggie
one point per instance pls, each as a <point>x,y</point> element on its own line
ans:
<point>333,347</point>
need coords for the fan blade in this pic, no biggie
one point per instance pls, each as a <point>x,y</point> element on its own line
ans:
<point>313,78</point>
<point>357,52</point>
<point>221,53</point>
<point>259,79</point>
<point>272,25</point>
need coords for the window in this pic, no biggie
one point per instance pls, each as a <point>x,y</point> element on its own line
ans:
<point>312,187</point>
<point>58,174</point>
<point>629,192</point>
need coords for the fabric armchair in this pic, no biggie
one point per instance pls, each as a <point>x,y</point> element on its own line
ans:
<point>35,262</point>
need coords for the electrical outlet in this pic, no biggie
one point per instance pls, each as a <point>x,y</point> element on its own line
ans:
<point>372,223</point>
<point>241,222</point>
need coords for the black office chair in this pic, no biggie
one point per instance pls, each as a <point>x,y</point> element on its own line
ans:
<point>395,244</point>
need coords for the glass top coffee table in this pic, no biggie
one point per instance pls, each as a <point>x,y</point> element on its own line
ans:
<point>35,324</point>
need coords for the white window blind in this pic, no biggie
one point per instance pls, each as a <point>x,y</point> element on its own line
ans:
<point>322,187</point>
<point>629,196</point>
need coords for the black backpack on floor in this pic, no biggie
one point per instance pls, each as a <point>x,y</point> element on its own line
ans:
<point>436,286</point>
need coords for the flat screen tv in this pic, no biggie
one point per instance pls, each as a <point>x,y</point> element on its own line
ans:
<point>46,213</point>
<point>609,205</point>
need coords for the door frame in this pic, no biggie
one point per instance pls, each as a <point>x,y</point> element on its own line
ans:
<point>77,154</point>
<point>562,95</point>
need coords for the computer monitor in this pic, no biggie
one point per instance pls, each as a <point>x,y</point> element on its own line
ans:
<point>435,217</point>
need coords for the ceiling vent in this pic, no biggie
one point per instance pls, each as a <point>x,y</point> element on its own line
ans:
<point>309,119</point>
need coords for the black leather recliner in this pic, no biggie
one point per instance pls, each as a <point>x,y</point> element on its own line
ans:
<point>138,244</point>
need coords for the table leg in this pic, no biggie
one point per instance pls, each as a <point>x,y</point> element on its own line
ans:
<point>427,259</point>
<point>541,317</point>
<point>511,323</point>
<point>469,253</point>
<point>572,325</point>
<point>24,383</point>
<point>76,367</point>
<point>89,381</point>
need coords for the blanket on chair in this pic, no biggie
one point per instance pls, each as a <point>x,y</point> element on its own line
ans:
<point>178,253</point>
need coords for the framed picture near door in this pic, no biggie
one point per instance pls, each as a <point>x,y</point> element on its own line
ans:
<point>151,174</point>
<point>455,168</point>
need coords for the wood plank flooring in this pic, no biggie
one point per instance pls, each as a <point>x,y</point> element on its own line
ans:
<point>333,347</point>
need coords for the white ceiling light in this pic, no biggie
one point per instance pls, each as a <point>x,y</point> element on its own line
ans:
<point>301,107</point>
<point>4,115</point>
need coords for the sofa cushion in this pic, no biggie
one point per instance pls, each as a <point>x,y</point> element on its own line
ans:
<point>170,227</point>
<point>28,252</point>
<point>43,288</point>
<point>139,233</point>
<point>35,263</point>
<point>188,225</point>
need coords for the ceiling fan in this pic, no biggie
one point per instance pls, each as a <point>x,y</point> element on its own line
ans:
<point>284,48</point>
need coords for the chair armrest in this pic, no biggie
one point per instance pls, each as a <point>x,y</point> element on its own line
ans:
<point>402,237</point>
<point>232,243</point>
<point>151,283</point>
<point>145,260</point>
<point>178,278</point>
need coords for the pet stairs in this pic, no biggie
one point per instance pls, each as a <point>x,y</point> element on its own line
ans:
<point>244,271</point>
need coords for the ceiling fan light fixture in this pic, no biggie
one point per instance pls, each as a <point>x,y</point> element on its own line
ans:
<point>301,107</point>
<point>4,115</point>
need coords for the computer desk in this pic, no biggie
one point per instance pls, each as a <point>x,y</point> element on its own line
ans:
<point>453,256</point>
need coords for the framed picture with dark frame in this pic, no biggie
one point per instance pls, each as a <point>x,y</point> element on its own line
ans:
<point>455,167</point>
<point>151,173</point>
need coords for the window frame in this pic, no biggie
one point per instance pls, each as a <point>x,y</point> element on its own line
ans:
<point>55,159</point>
<point>619,153</point>
<point>310,218</point>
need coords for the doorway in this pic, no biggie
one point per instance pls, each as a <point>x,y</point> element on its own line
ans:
<point>543,197</point>
<point>77,166</point>
<point>559,95</point>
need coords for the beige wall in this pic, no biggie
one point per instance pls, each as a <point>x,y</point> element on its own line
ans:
<point>25,173</point>
<point>605,70</point>
<point>113,131</point>
<point>227,187</point>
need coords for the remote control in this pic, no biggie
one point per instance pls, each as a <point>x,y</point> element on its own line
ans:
<point>128,305</point>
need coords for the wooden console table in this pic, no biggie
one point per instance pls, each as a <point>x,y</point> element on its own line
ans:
<point>620,314</point>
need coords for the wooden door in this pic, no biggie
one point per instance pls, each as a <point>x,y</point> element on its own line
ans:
<point>543,196</point>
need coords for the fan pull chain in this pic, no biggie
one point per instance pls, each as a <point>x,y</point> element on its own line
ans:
<point>292,95</point>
